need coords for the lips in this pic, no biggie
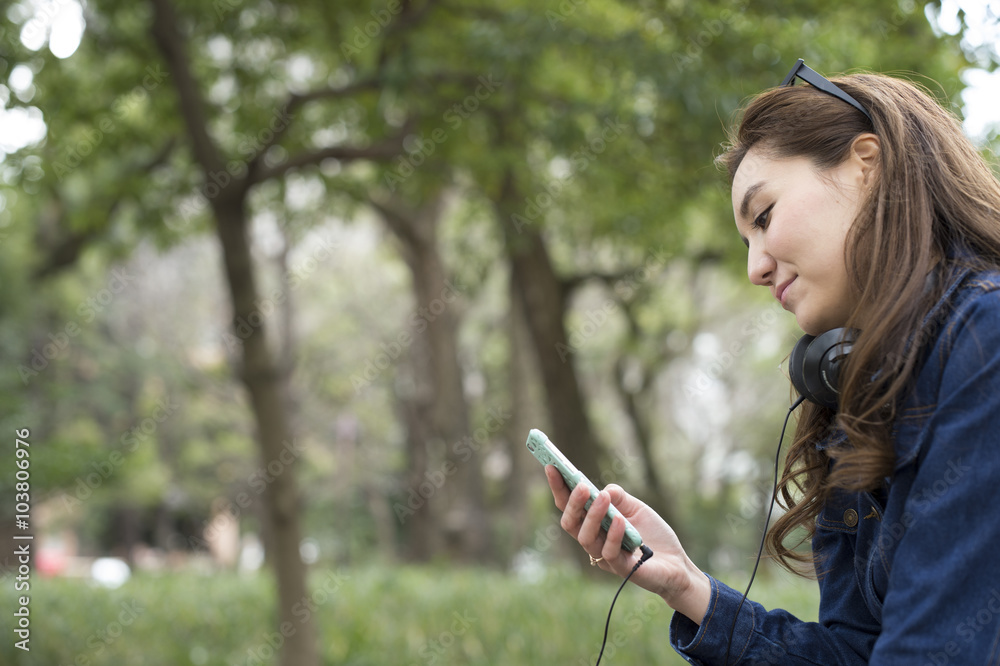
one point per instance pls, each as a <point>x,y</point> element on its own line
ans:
<point>780,291</point>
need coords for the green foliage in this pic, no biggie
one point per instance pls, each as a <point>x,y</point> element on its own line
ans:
<point>367,617</point>
<point>607,115</point>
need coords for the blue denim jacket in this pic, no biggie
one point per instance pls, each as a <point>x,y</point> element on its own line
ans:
<point>914,572</point>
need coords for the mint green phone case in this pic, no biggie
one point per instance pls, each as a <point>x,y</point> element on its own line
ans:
<point>546,453</point>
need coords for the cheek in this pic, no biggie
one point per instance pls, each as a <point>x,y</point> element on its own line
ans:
<point>837,213</point>
<point>784,241</point>
<point>814,234</point>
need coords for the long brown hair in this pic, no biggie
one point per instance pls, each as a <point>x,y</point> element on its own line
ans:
<point>933,194</point>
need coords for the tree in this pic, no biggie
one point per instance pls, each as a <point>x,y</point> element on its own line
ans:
<point>436,412</point>
<point>583,133</point>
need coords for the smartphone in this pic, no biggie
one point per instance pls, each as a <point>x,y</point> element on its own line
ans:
<point>546,453</point>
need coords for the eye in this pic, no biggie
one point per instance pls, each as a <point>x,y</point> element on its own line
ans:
<point>760,222</point>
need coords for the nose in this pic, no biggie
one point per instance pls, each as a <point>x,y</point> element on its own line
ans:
<point>760,265</point>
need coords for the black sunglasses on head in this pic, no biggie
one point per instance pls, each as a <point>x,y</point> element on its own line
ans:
<point>810,76</point>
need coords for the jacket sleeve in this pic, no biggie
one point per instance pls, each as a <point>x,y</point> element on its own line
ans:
<point>942,601</point>
<point>760,636</point>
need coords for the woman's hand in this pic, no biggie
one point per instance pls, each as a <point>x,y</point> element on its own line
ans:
<point>669,573</point>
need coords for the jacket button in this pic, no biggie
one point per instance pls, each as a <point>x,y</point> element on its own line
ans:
<point>851,517</point>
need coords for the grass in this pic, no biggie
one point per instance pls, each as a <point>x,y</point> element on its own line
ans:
<point>404,616</point>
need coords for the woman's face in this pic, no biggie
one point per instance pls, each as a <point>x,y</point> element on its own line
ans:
<point>794,219</point>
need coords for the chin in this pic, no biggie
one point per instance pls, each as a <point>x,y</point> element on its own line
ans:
<point>818,326</point>
<point>812,326</point>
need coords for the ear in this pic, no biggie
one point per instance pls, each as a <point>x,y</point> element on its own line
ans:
<point>865,155</point>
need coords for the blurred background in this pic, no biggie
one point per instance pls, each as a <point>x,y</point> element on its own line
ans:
<point>284,286</point>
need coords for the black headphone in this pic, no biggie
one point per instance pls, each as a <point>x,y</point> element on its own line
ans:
<point>814,365</point>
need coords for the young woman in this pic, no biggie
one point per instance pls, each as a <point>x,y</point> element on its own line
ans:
<point>863,207</point>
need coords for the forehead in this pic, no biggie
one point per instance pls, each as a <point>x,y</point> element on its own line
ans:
<point>747,180</point>
<point>755,167</point>
<point>759,170</point>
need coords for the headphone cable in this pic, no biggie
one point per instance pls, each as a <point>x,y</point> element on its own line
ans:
<point>763,536</point>
<point>646,554</point>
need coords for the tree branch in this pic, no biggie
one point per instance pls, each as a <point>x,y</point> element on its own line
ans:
<point>414,226</point>
<point>397,222</point>
<point>573,282</point>
<point>385,150</point>
<point>168,38</point>
<point>408,19</point>
<point>67,250</point>
<point>256,173</point>
<point>295,101</point>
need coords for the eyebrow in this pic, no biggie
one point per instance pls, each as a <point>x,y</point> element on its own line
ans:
<point>747,196</point>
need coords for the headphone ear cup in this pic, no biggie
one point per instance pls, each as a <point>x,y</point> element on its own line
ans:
<point>815,364</point>
<point>796,369</point>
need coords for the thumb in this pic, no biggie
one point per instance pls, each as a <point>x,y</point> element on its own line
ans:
<point>622,501</point>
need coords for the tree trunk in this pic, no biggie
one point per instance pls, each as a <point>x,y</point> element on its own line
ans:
<point>658,497</point>
<point>416,510</point>
<point>453,477</point>
<point>526,413</point>
<point>542,296</point>
<point>264,379</point>
<point>265,382</point>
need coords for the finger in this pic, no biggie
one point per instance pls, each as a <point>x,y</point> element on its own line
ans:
<point>574,513</point>
<point>624,502</point>
<point>613,541</point>
<point>560,493</point>
<point>590,529</point>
